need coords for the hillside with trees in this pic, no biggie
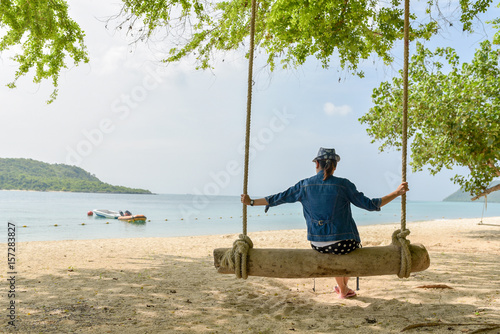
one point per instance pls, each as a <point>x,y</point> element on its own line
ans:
<point>28,174</point>
<point>464,196</point>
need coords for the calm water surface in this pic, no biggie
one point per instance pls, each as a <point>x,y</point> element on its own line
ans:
<point>36,215</point>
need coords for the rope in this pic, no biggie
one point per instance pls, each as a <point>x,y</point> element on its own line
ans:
<point>484,207</point>
<point>249,111</point>
<point>399,236</point>
<point>399,239</point>
<point>237,256</point>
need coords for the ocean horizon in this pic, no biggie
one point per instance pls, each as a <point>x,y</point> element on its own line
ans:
<point>47,216</point>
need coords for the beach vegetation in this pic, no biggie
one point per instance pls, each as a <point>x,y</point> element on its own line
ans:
<point>29,174</point>
<point>44,36</point>
<point>453,115</point>
<point>287,32</point>
<point>449,112</point>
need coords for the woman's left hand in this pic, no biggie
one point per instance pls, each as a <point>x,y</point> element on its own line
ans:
<point>402,189</point>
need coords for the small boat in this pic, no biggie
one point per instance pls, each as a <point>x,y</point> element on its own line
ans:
<point>103,213</point>
<point>133,218</point>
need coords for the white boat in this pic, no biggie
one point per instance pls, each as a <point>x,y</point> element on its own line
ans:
<point>103,213</point>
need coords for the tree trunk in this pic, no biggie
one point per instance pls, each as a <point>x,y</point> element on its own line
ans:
<point>305,263</point>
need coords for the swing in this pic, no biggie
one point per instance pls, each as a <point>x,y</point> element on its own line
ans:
<point>401,257</point>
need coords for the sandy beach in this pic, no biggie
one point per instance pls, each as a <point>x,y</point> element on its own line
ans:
<point>169,285</point>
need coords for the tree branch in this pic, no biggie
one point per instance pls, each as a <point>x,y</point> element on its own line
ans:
<point>495,168</point>
<point>434,324</point>
<point>486,192</point>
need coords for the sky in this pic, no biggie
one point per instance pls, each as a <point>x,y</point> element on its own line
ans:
<point>133,121</point>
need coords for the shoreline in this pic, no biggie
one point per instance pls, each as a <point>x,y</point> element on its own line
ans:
<point>78,192</point>
<point>169,285</point>
<point>360,227</point>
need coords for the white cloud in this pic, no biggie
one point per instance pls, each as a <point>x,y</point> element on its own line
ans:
<point>191,117</point>
<point>332,110</point>
<point>112,60</point>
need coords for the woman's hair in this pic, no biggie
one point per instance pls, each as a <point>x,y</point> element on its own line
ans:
<point>327,166</point>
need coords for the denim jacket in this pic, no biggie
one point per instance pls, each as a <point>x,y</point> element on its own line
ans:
<point>327,206</point>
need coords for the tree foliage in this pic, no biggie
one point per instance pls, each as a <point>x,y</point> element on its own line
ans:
<point>453,114</point>
<point>288,32</point>
<point>46,34</point>
<point>496,25</point>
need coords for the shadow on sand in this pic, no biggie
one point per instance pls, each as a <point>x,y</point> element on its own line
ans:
<point>186,295</point>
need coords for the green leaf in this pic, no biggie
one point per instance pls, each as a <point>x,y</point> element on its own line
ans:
<point>47,36</point>
<point>453,118</point>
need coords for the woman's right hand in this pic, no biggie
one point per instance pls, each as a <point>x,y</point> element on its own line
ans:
<point>245,199</point>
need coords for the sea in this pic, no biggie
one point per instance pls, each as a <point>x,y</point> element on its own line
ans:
<point>46,216</point>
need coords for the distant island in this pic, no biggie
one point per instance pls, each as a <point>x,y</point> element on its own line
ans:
<point>29,174</point>
<point>462,196</point>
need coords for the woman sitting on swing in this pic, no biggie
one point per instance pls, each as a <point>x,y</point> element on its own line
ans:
<point>326,203</point>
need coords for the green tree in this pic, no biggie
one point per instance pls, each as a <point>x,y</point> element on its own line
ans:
<point>46,34</point>
<point>453,117</point>
<point>496,24</point>
<point>288,32</point>
<point>28,174</point>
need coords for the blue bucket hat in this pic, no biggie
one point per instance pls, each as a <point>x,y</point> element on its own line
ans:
<point>327,153</point>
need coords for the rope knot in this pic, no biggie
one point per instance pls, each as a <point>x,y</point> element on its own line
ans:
<point>236,258</point>
<point>400,235</point>
<point>399,239</point>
